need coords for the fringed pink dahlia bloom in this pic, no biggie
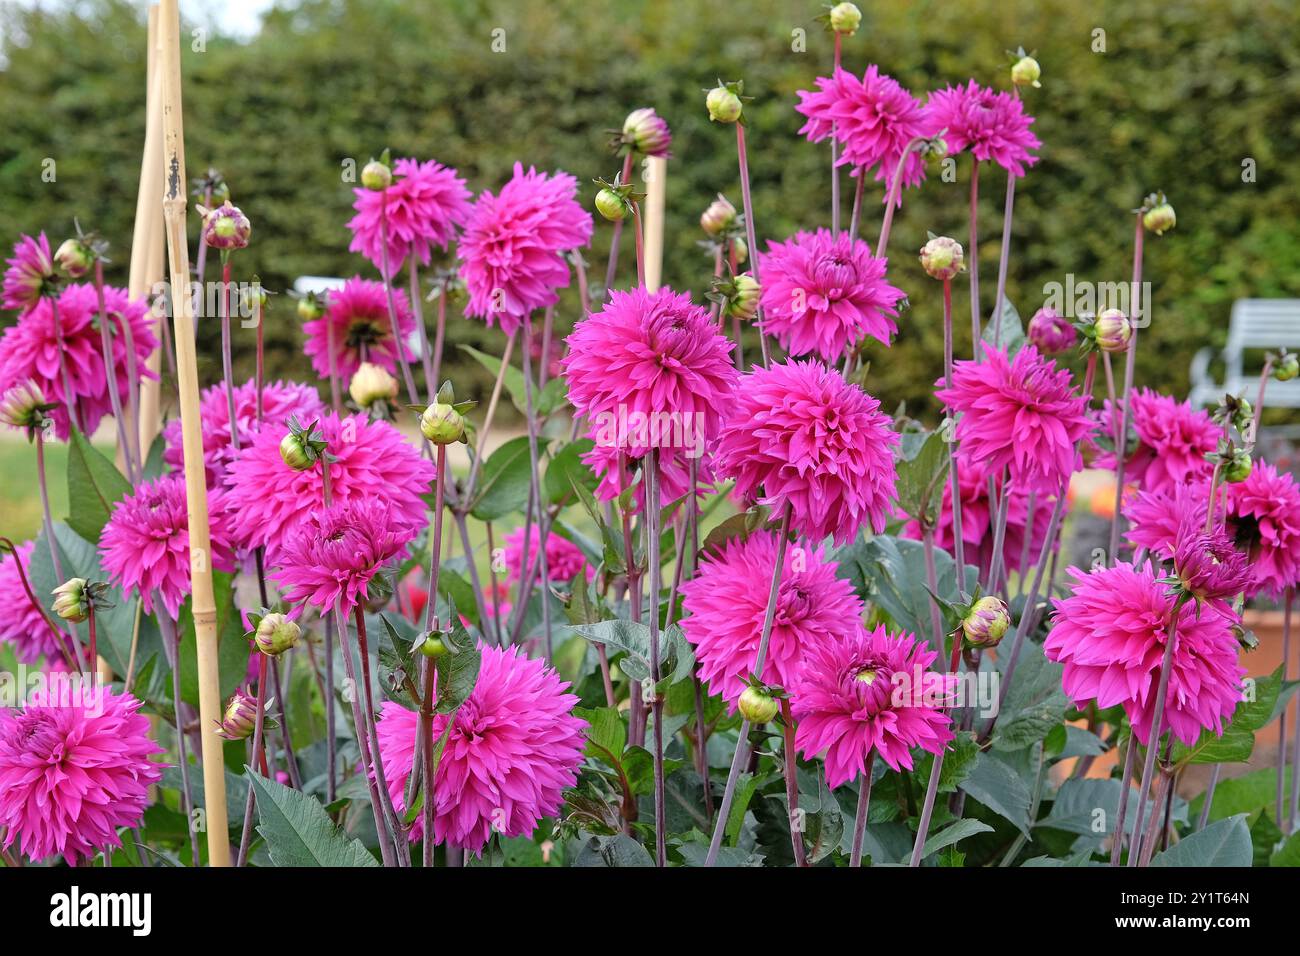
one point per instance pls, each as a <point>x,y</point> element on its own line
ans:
<point>266,498</point>
<point>1173,440</point>
<point>1206,563</point>
<point>22,626</point>
<point>30,349</point>
<point>871,690</point>
<point>823,293</point>
<point>145,547</point>
<point>874,118</point>
<point>280,401</point>
<point>73,771</point>
<point>30,271</point>
<point>356,328</point>
<point>564,559</point>
<point>329,559</point>
<point>510,252</point>
<point>1110,634</point>
<point>1021,414</point>
<point>424,207</point>
<point>1155,516</point>
<point>726,601</point>
<point>515,746</point>
<point>990,125</point>
<point>1264,515</point>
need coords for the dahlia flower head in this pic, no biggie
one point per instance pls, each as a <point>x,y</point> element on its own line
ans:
<point>990,125</point>
<point>564,559</point>
<point>426,205</point>
<point>72,772</point>
<point>330,557</point>
<point>649,370</point>
<point>280,402</point>
<point>1155,516</point>
<point>800,436</point>
<point>1207,564</point>
<point>1264,514</point>
<point>726,601</point>
<point>1173,440</point>
<point>824,293</point>
<point>30,349</point>
<point>515,746</point>
<point>1110,633</point>
<point>510,252</point>
<point>23,626</point>
<point>266,498</point>
<point>145,547</point>
<point>870,690</point>
<point>30,270</point>
<point>617,471</point>
<point>355,328</point>
<point>873,118</point>
<point>1021,414</point>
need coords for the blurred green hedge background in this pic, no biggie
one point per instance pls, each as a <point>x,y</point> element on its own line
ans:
<point>1135,97</point>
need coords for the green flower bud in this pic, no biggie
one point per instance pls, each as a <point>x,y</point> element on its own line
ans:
<point>718,216</point>
<point>611,205</point>
<point>442,424</point>
<point>376,175</point>
<point>986,623</point>
<point>757,705</point>
<point>1237,468</point>
<point>433,646</point>
<point>75,258</point>
<point>1160,218</point>
<point>743,302</point>
<point>372,383</point>
<point>724,105</point>
<point>1026,72</point>
<point>1288,367</point>
<point>1113,330</point>
<point>294,451</point>
<point>275,634</point>
<point>72,600</point>
<point>845,18</point>
<point>239,719</point>
<point>942,257</point>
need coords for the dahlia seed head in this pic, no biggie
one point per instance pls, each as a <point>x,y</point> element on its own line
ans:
<point>845,18</point>
<point>74,257</point>
<point>1050,332</point>
<point>611,205</point>
<point>756,705</point>
<point>645,132</point>
<point>276,634</point>
<point>225,227</point>
<point>942,258</point>
<point>72,600</point>
<point>1160,218</point>
<point>23,406</point>
<point>1237,467</point>
<point>1113,330</point>
<point>372,383</point>
<point>1287,368</point>
<point>724,104</point>
<point>239,718</point>
<point>442,424</point>
<point>718,217</point>
<point>376,176</point>
<point>1026,71</point>
<point>986,623</point>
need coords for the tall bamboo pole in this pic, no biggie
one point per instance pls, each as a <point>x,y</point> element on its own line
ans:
<point>196,492</point>
<point>656,192</point>
<point>147,239</point>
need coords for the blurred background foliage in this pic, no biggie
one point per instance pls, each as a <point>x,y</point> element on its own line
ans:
<point>1135,97</point>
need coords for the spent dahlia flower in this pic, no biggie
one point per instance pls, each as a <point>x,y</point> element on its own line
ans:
<point>800,436</point>
<point>510,252</point>
<point>71,774</point>
<point>860,693</point>
<point>1110,634</point>
<point>991,125</point>
<point>1173,440</point>
<point>1207,565</point>
<point>1264,516</point>
<point>145,547</point>
<point>355,325</point>
<point>726,601</point>
<point>514,747</point>
<point>30,273</point>
<point>266,498</point>
<point>874,119</point>
<point>1155,516</point>
<point>1021,414</point>
<point>280,401</point>
<point>564,559</point>
<point>424,207</point>
<point>29,350</point>
<point>824,293</point>
<point>23,626</point>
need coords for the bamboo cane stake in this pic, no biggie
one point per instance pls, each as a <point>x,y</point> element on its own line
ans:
<point>196,492</point>
<point>656,191</point>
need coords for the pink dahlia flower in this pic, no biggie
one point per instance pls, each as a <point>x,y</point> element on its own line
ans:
<point>29,272</point>
<point>510,252</point>
<point>30,350</point>
<point>1050,332</point>
<point>280,401</point>
<point>871,690</point>
<point>23,626</point>
<point>1173,440</point>
<point>71,774</point>
<point>1020,414</point>
<point>356,326</point>
<point>991,125</point>
<point>514,748</point>
<point>1264,514</point>
<point>564,559</point>
<point>266,498</point>
<point>650,370</point>
<point>726,601</point>
<point>424,207</point>
<point>874,118</point>
<point>329,559</point>
<point>1110,634</point>
<point>145,547</point>
<point>618,472</point>
<point>1207,564</point>
<point>799,435</point>
<point>823,293</point>
<point>1156,516</point>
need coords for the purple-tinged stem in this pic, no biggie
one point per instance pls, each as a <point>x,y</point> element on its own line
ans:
<point>200,267</point>
<point>638,237</point>
<point>973,259</point>
<point>73,416</point>
<point>439,336</point>
<point>399,345</point>
<point>290,759</point>
<point>110,375</point>
<point>864,804</point>
<point>657,704</point>
<point>417,307</point>
<point>172,643</point>
<point>1125,784</point>
<point>932,582</point>
<point>616,233</point>
<point>791,774</point>
<point>228,378</point>
<point>891,201</point>
<point>835,148</point>
<point>259,369</point>
<point>1162,793</point>
<point>1003,259</point>
<point>1000,532</point>
<point>950,439</point>
<point>463,528</point>
<point>751,235</point>
<point>1130,361</point>
<point>936,769</point>
<point>856,217</point>
<point>246,834</point>
<point>1288,599</point>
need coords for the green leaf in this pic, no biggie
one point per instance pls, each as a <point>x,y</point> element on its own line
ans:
<point>950,835</point>
<point>890,572</point>
<point>633,640</point>
<point>567,469</point>
<point>996,785</point>
<point>457,672</point>
<point>746,784</point>
<point>154,464</point>
<point>94,486</point>
<point>552,396</point>
<point>1223,843</point>
<point>1238,739</point>
<point>920,479</point>
<point>619,850</point>
<point>503,481</point>
<point>297,830</point>
<point>606,734</point>
<point>1035,703</point>
<point>1288,854</point>
<point>514,378</point>
<point>1245,794</point>
<point>1013,331</point>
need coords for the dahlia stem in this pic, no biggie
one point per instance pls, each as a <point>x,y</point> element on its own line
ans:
<point>487,420</point>
<point>9,546</point>
<point>336,392</point>
<point>417,307</point>
<point>46,518</point>
<point>895,187</point>
<point>548,326</point>
<point>864,804</point>
<point>1130,361</point>
<point>950,438</point>
<point>110,376</point>
<point>857,204</point>
<point>791,773</point>
<point>201,262</point>
<point>932,582</point>
<point>259,369</point>
<point>173,645</point>
<point>1003,258</point>
<point>1126,784</point>
<point>132,395</point>
<point>742,740</point>
<point>616,233</point>
<point>463,528</point>
<point>439,336</point>
<point>246,834</point>
<point>492,578</point>
<point>68,398</point>
<point>1163,786</point>
<point>1259,402</point>
<point>936,770</point>
<point>395,829</point>
<point>426,753</point>
<point>1030,511</point>
<point>972,259</point>
<point>534,478</point>
<point>435,557</point>
<point>657,704</point>
<point>638,238</point>
<point>226,374</point>
<point>1208,800</point>
<point>835,148</point>
<point>636,706</point>
<point>999,532</point>
<point>750,235</point>
<point>424,742</point>
<point>1288,600</point>
<point>92,664</point>
<point>399,346</point>
<point>735,320</point>
<point>290,759</point>
<point>701,731</point>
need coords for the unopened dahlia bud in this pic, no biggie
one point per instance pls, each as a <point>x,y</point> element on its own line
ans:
<point>433,645</point>
<point>1287,368</point>
<point>75,258</point>
<point>295,452</point>
<point>743,302</point>
<point>611,205</point>
<point>942,257</point>
<point>646,133</point>
<point>756,705</point>
<point>741,250</point>
<point>1026,71</point>
<point>442,424</point>
<point>986,622</point>
<point>845,18</point>
<point>935,151</point>
<point>72,600</point>
<point>718,216</point>
<point>724,104</point>
<point>1160,218</point>
<point>275,634</point>
<point>372,383</point>
<point>1113,330</point>
<point>310,307</point>
<point>239,719</point>
<point>226,227</point>
<point>23,406</point>
<point>1050,332</point>
<point>1238,467</point>
<point>376,175</point>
